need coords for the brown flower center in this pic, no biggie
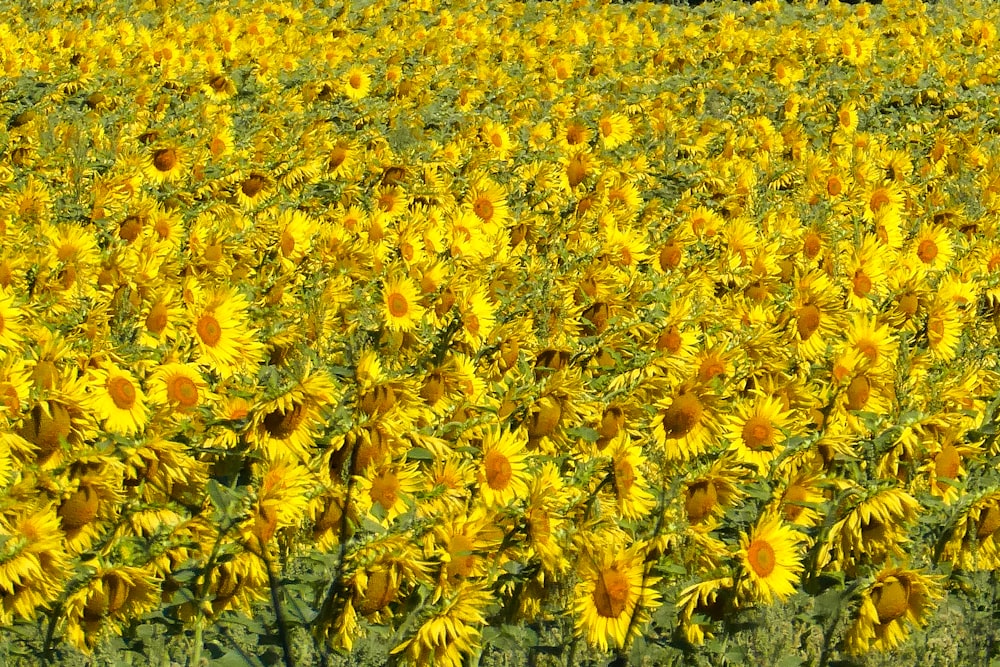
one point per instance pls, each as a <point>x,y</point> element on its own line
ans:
<point>758,433</point>
<point>927,251</point>
<point>498,470</point>
<point>807,321</point>
<point>611,593</point>
<point>281,424</point>
<point>483,208</point>
<point>891,599</point>
<point>385,489</point>
<point>683,415</point>
<point>165,159</point>
<point>701,500</point>
<point>398,305</point>
<point>183,391</point>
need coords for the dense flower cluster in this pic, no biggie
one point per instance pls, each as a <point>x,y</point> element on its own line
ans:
<point>518,311</point>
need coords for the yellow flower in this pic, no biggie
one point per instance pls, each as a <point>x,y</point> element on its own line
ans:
<point>357,83</point>
<point>117,399</point>
<point>179,387</point>
<point>164,163</point>
<point>615,129</point>
<point>707,598</point>
<point>222,338</point>
<point>685,424</point>
<point>10,321</point>
<point>503,470</point>
<point>614,597</point>
<point>771,560</point>
<point>631,488</point>
<point>757,431</point>
<point>402,310</point>
<point>897,599</point>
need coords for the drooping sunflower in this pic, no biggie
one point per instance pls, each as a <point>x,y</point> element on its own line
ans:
<point>708,599</point>
<point>771,560</point>
<point>614,596</point>
<point>898,599</point>
<point>285,427</point>
<point>385,489</point>
<point>34,570</point>
<point>282,501</point>
<point>872,529</point>
<point>452,630</point>
<point>632,495</point>
<point>118,400</point>
<point>685,423</point>
<point>944,329</point>
<point>974,540</point>
<point>401,300</point>
<point>503,473</point>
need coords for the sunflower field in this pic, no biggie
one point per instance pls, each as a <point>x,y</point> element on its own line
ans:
<point>372,332</point>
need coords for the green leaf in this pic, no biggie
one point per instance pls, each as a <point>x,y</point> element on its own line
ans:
<point>584,433</point>
<point>220,496</point>
<point>790,661</point>
<point>419,454</point>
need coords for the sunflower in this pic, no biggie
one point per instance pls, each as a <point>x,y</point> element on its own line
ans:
<point>285,427</point>
<point>497,139</point>
<point>614,130</point>
<point>685,424</point>
<point>385,489</point>
<point>295,233</point>
<point>488,201</point>
<point>771,560</point>
<point>117,400</point>
<point>252,189</point>
<point>180,387</point>
<point>109,599</point>
<point>932,246</point>
<point>161,319</point>
<point>402,310</point>
<point>10,321</point>
<point>872,529</point>
<point>800,498</point>
<point>897,599</point>
<point>944,329</point>
<point>874,341</point>
<point>503,473</point>
<point>544,519</point>
<point>632,494</point>
<point>357,83</point>
<point>222,338</point>
<point>34,565</point>
<point>464,544</point>
<point>815,318</point>
<point>282,501</point>
<point>451,630</point>
<point>758,430</point>
<point>974,540</point>
<point>614,597</point>
<point>706,599</point>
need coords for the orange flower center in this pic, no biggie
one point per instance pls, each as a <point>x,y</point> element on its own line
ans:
<point>209,330</point>
<point>183,391</point>
<point>483,208</point>
<point>834,186</point>
<point>498,470</point>
<point>670,340</point>
<point>947,463</point>
<point>927,251</point>
<point>862,284</point>
<point>670,256</point>
<point>122,392</point>
<point>935,330</point>
<point>156,321</point>
<point>858,393</point>
<point>760,555</point>
<point>879,199</point>
<point>576,171</point>
<point>398,305</point>
<point>682,416</point>
<point>758,433</point>
<point>807,321</point>
<point>336,158</point>
<point>355,81</point>
<point>710,367</point>
<point>989,522</point>
<point>165,159</point>
<point>9,398</point>
<point>611,592</point>
<point>287,243</point>
<point>385,489</point>
<point>811,245</point>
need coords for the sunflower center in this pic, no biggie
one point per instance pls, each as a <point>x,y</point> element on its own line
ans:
<point>611,593</point>
<point>891,600</point>
<point>483,208</point>
<point>624,477</point>
<point>280,423</point>
<point>607,129</point>
<point>498,470</point>
<point>165,159</point>
<point>398,305</point>
<point>927,251</point>
<point>209,330</point>
<point>807,321</point>
<point>869,349</point>
<point>872,530</point>
<point>811,245</point>
<point>462,559</point>
<point>935,330</point>
<point>183,391</point>
<point>252,186</point>
<point>670,256</point>
<point>287,243</point>
<point>879,199</point>
<point>574,134</point>
<point>794,494</point>
<point>908,304</point>
<point>702,497</point>
<point>858,393</point>
<point>79,509</point>
<point>682,416</point>
<point>156,321</point>
<point>989,522</point>
<point>385,489</point>
<point>710,367</point>
<point>336,157</point>
<point>758,433</point>
<point>9,398</point>
<point>760,555</point>
<point>576,171</point>
<point>861,284</point>
<point>544,422</point>
<point>834,186</point>
<point>380,592</point>
<point>670,340</point>
<point>947,464</point>
<point>217,146</point>
<point>122,392</point>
